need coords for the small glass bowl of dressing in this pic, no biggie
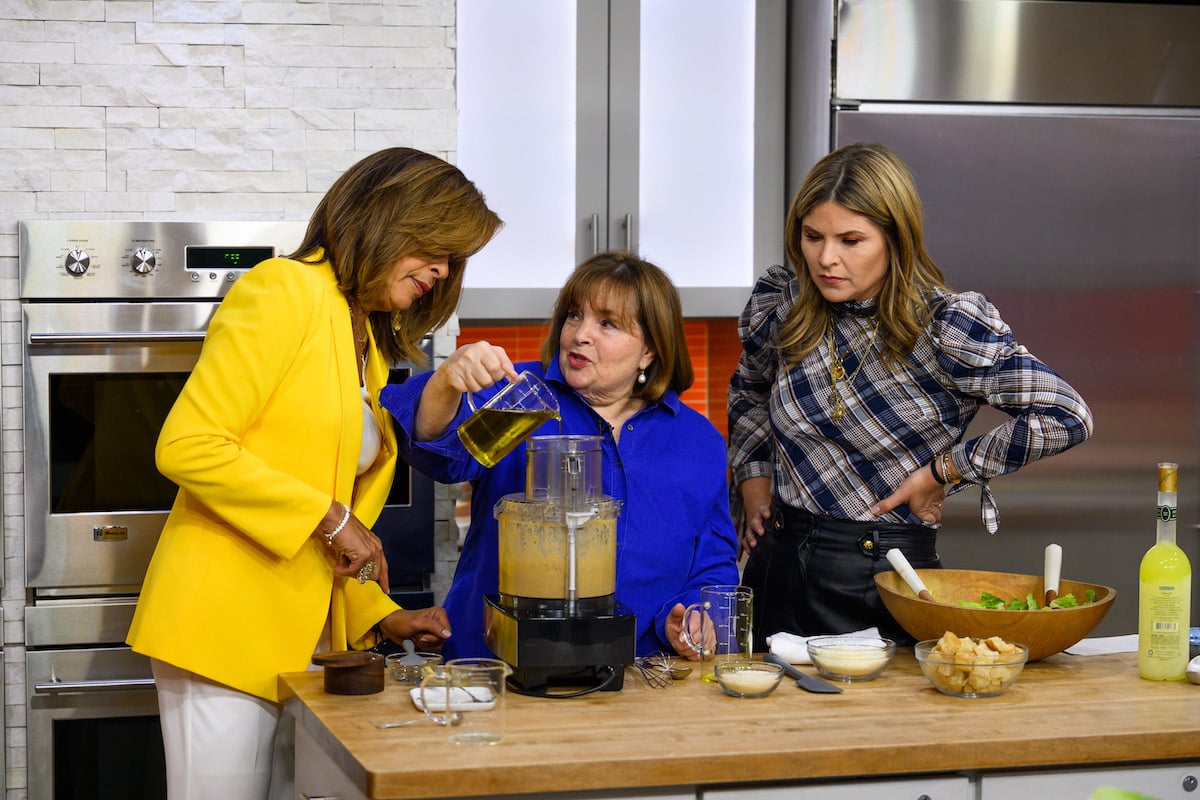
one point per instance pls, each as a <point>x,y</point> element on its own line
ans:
<point>748,679</point>
<point>851,658</point>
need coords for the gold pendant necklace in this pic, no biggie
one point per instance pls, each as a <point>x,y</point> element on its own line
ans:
<point>358,328</point>
<point>837,369</point>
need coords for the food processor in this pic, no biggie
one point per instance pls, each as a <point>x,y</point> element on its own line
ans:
<point>555,620</point>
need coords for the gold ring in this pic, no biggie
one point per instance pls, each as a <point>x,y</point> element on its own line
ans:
<point>367,570</point>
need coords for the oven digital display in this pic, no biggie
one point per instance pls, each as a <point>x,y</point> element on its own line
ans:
<point>206,257</point>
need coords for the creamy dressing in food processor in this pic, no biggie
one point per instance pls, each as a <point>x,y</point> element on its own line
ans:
<point>555,620</point>
<point>534,557</point>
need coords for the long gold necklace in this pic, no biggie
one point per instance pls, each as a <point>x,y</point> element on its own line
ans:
<point>357,324</point>
<point>837,369</point>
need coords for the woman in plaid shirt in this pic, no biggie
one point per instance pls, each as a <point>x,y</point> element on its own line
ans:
<point>859,375</point>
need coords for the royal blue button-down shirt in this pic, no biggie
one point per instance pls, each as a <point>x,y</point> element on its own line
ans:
<point>668,472</point>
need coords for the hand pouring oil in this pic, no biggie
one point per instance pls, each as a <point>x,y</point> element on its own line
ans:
<point>1164,593</point>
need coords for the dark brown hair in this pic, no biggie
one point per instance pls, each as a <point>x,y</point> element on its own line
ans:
<point>392,204</point>
<point>622,281</point>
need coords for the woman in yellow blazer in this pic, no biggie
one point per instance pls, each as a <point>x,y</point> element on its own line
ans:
<point>284,460</point>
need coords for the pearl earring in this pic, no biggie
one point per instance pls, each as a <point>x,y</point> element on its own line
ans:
<point>641,378</point>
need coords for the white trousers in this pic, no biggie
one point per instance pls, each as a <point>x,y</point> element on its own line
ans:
<point>221,743</point>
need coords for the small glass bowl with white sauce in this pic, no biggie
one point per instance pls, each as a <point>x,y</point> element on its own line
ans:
<point>851,658</point>
<point>748,679</point>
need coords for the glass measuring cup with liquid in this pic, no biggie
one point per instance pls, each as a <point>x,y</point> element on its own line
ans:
<point>496,428</point>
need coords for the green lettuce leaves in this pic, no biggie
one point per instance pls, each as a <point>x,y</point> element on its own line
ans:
<point>1029,603</point>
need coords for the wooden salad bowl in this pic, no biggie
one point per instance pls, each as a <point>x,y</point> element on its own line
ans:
<point>1044,632</point>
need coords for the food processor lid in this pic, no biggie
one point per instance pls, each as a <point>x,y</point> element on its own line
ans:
<point>572,442</point>
<point>564,468</point>
<point>518,506</point>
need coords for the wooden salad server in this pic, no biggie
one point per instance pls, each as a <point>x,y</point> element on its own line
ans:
<point>901,565</point>
<point>1053,568</point>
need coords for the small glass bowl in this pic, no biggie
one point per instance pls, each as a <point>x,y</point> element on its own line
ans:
<point>748,679</point>
<point>412,673</point>
<point>960,676</point>
<point>850,658</point>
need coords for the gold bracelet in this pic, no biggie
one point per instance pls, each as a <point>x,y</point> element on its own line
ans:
<point>952,478</point>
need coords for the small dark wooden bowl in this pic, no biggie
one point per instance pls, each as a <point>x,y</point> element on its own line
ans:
<point>351,671</point>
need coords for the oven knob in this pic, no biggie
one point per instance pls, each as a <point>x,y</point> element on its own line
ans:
<point>77,261</point>
<point>141,261</point>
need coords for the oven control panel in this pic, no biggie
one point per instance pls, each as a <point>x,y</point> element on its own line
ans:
<point>142,259</point>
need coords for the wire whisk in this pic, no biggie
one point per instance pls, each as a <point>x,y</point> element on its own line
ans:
<point>660,669</point>
<point>653,675</point>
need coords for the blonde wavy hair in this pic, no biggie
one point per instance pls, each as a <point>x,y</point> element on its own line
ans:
<point>871,180</point>
<point>392,204</point>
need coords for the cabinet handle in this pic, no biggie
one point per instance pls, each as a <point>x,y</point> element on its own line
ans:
<point>595,234</point>
<point>628,225</point>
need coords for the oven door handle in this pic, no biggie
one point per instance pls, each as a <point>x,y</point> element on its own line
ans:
<point>130,336</point>
<point>60,687</point>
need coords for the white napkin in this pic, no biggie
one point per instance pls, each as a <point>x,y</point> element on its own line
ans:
<point>479,698</point>
<point>1103,645</point>
<point>794,649</point>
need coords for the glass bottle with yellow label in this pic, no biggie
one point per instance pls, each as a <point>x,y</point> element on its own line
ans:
<point>1164,592</point>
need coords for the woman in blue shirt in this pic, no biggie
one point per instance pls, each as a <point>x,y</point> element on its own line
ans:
<point>616,358</point>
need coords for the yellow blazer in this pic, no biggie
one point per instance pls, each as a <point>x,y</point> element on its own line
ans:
<point>266,432</point>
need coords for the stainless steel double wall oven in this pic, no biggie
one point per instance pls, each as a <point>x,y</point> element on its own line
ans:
<point>114,315</point>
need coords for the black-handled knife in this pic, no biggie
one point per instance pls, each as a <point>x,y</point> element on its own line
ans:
<point>805,681</point>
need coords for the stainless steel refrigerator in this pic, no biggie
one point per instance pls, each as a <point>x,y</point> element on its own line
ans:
<point>1056,146</point>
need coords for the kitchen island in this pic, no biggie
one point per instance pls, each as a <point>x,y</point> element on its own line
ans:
<point>1066,713</point>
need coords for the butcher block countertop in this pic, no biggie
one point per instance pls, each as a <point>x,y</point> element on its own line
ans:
<point>1064,711</point>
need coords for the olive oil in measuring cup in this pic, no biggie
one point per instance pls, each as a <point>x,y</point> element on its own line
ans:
<point>498,426</point>
<point>491,434</point>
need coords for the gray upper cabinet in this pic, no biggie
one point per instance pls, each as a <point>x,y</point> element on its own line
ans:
<point>653,126</point>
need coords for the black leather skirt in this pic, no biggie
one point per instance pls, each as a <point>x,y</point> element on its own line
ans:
<point>814,575</point>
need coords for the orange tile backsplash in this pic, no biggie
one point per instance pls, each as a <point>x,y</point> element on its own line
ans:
<point>713,344</point>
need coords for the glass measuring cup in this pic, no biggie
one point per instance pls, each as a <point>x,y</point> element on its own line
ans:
<point>469,694</point>
<point>495,429</point>
<point>719,626</point>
